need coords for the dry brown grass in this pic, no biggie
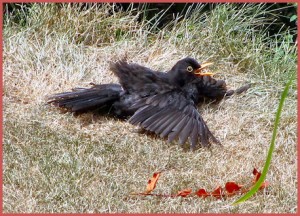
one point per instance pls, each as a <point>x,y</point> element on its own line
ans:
<point>58,163</point>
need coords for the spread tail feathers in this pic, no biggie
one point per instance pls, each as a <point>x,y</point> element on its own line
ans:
<point>87,99</point>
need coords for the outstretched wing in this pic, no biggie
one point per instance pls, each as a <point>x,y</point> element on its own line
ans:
<point>172,114</point>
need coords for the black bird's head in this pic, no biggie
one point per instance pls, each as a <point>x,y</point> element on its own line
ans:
<point>186,70</point>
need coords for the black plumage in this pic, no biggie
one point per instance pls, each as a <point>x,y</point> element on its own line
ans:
<point>161,102</point>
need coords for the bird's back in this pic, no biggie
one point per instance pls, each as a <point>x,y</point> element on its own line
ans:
<point>140,80</point>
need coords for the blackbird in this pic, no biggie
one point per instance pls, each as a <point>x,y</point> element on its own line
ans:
<point>160,102</point>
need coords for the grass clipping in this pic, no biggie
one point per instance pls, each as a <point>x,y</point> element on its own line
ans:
<point>54,162</point>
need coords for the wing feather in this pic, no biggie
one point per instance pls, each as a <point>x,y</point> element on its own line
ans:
<point>194,135</point>
<point>176,130</point>
<point>186,131</point>
<point>164,122</point>
<point>142,114</point>
<point>156,120</point>
<point>173,123</point>
<point>151,121</point>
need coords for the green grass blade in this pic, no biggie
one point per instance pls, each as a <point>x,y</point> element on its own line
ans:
<point>272,146</point>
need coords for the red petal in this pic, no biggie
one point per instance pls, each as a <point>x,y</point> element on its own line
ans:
<point>257,175</point>
<point>217,192</point>
<point>184,193</point>
<point>202,193</point>
<point>232,187</point>
<point>254,171</point>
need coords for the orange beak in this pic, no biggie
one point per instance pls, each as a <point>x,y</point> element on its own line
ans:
<point>199,72</point>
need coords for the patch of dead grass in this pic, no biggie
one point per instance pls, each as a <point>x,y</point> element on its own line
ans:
<point>58,163</point>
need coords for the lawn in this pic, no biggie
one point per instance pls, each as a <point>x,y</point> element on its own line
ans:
<point>54,162</point>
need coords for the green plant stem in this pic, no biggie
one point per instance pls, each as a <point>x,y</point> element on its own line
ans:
<point>262,178</point>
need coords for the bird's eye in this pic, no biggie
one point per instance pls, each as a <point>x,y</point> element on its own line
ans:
<point>189,69</point>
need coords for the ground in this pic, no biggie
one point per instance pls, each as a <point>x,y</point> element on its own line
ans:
<point>55,162</point>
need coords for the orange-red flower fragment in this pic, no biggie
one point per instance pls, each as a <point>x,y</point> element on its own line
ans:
<point>152,182</point>
<point>184,193</point>
<point>202,193</point>
<point>232,187</point>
